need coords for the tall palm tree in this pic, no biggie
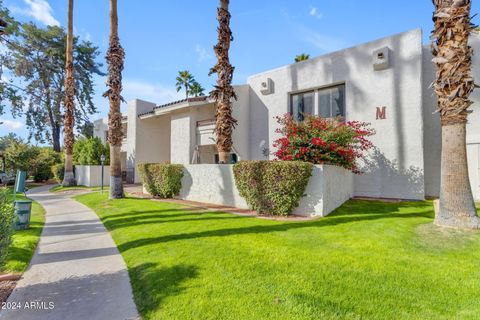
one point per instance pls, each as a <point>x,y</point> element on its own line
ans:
<point>453,85</point>
<point>302,57</point>
<point>223,93</point>
<point>69,178</point>
<point>115,57</point>
<point>196,89</point>
<point>184,81</point>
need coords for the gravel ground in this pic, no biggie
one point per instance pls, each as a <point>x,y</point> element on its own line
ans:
<point>6,287</point>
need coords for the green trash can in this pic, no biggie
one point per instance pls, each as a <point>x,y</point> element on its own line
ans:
<point>23,211</point>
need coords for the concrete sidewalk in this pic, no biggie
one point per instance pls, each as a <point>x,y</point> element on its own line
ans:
<point>76,273</point>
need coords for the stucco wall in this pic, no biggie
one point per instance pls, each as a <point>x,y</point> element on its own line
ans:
<point>100,126</point>
<point>91,176</point>
<point>328,188</point>
<point>148,141</point>
<point>181,144</point>
<point>395,169</point>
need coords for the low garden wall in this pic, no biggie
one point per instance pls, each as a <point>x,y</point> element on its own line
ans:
<point>91,176</point>
<point>327,188</point>
<point>211,183</point>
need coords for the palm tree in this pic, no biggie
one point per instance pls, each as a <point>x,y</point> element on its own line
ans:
<point>184,81</point>
<point>223,93</point>
<point>453,85</point>
<point>302,57</point>
<point>69,178</point>
<point>115,57</point>
<point>196,89</point>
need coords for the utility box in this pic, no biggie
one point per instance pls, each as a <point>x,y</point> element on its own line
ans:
<point>23,212</point>
<point>381,59</point>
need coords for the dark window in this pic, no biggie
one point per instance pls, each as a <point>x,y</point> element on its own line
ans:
<point>331,102</point>
<point>233,158</point>
<point>302,104</point>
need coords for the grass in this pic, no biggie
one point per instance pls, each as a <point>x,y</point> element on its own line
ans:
<point>60,188</point>
<point>368,260</point>
<point>24,242</point>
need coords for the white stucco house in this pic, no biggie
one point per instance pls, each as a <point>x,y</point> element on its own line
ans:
<point>385,82</point>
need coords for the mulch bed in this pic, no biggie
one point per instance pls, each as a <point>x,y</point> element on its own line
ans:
<point>6,288</point>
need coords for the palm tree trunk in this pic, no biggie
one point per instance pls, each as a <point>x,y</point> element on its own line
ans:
<point>69,178</point>
<point>453,85</point>
<point>223,92</point>
<point>115,57</point>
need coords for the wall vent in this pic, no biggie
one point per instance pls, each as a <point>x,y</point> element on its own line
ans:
<point>267,87</point>
<point>381,59</point>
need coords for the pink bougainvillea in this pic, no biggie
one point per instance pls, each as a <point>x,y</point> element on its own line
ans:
<point>323,141</point>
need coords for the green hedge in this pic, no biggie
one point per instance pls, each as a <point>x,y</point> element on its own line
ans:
<point>6,221</point>
<point>162,180</point>
<point>272,187</point>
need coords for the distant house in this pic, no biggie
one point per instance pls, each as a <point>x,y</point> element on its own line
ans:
<point>385,82</point>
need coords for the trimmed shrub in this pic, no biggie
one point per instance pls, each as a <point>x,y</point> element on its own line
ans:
<point>41,165</point>
<point>58,172</point>
<point>162,180</point>
<point>6,224</point>
<point>272,187</point>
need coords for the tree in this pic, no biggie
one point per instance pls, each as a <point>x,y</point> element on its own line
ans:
<point>453,85</point>
<point>115,57</point>
<point>196,89</point>
<point>68,137</point>
<point>223,92</point>
<point>302,57</point>
<point>37,56</point>
<point>185,81</point>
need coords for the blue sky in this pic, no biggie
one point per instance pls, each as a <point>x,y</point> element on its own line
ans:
<point>162,37</point>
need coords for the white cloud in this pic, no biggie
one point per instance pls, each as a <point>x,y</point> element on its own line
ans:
<point>38,9</point>
<point>322,41</point>
<point>202,53</point>
<point>154,92</point>
<point>11,124</point>
<point>315,13</point>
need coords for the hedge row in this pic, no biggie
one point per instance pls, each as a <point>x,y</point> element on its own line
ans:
<point>272,187</point>
<point>162,180</point>
<point>6,222</point>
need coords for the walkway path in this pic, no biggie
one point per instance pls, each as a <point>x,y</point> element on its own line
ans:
<point>77,272</point>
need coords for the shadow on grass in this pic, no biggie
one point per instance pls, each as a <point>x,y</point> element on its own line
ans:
<point>352,211</point>
<point>152,284</point>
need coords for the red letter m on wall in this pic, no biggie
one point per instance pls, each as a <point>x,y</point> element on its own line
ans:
<point>381,113</point>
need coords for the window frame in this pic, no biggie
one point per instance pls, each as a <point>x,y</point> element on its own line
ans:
<point>316,104</point>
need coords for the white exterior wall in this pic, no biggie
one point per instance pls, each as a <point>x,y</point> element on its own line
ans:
<point>100,127</point>
<point>395,169</point>
<point>181,144</point>
<point>146,139</point>
<point>329,187</point>
<point>91,176</point>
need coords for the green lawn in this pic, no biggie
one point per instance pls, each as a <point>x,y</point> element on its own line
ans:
<point>24,242</point>
<point>369,260</point>
<point>60,188</point>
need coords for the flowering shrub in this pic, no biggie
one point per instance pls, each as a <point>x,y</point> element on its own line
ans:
<point>323,141</point>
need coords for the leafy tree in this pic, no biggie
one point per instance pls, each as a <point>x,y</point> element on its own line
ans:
<point>115,57</point>
<point>88,151</point>
<point>223,92</point>
<point>302,57</point>
<point>185,81</point>
<point>453,85</point>
<point>37,56</point>
<point>196,89</point>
